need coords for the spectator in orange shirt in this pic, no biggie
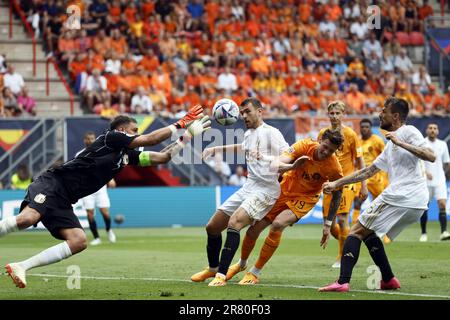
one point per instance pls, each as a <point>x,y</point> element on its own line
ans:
<point>260,63</point>
<point>161,81</point>
<point>434,103</point>
<point>129,64</point>
<point>326,43</point>
<point>356,64</point>
<point>447,100</point>
<point>101,43</point>
<point>304,11</point>
<point>147,8</point>
<point>194,80</point>
<point>115,11</point>
<point>141,78</point>
<point>119,44</point>
<point>317,99</point>
<point>83,42</point>
<point>260,82</point>
<point>130,12</point>
<point>192,97</point>
<point>78,65</point>
<point>333,10</point>
<point>67,47</point>
<point>150,61</point>
<point>252,26</point>
<point>425,10</point>
<point>373,102</point>
<point>355,99</point>
<point>95,60</point>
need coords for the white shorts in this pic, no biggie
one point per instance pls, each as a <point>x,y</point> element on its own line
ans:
<point>438,192</point>
<point>257,203</point>
<point>99,199</point>
<point>386,219</point>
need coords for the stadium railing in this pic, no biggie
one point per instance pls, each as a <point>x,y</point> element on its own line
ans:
<point>15,5</point>
<point>63,80</point>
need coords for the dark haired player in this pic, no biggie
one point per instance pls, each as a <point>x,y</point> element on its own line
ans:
<point>399,205</point>
<point>50,197</point>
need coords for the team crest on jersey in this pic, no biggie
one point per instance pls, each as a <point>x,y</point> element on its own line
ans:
<point>290,150</point>
<point>40,198</point>
<point>125,159</point>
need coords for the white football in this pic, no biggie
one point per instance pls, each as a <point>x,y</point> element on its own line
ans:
<point>225,112</point>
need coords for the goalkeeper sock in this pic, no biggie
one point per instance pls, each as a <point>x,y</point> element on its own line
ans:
<point>351,254</point>
<point>51,255</point>
<point>443,219</point>
<point>229,249</point>
<point>376,250</point>
<point>214,244</point>
<point>423,222</point>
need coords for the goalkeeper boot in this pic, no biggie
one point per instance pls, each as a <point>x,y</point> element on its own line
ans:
<point>17,274</point>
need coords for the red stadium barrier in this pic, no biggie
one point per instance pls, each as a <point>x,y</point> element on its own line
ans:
<point>19,10</point>
<point>63,80</point>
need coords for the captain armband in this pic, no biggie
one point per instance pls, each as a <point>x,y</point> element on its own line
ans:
<point>145,159</point>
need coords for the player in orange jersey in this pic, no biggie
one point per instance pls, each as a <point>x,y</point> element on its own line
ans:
<point>307,165</point>
<point>372,146</point>
<point>350,158</point>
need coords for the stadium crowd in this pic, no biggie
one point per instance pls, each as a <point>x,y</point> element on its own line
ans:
<point>296,56</point>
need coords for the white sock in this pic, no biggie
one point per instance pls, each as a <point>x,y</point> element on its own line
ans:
<point>255,271</point>
<point>51,255</point>
<point>242,263</point>
<point>8,225</point>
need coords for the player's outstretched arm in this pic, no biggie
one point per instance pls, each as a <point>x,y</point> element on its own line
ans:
<point>423,153</point>
<point>162,134</point>
<point>357,176</point>
<point>335,201</point>
<point>151,158</point>
<point>210,152</point>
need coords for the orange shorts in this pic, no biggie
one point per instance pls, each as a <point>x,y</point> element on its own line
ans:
<point>348,195</point>
<point>300,206</point>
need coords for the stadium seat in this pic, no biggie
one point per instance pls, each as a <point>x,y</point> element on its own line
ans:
<point>403,38</point>
<point>416,39</point>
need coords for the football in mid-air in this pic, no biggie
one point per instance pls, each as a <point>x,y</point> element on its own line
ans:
<point>119,218</point>
<point>226,112</point>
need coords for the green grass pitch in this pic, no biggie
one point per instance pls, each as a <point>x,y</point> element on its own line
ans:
<point>156,263</point>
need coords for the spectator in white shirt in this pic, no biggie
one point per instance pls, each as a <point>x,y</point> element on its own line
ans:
<point>113,64</point>
<point>359,28</point>
<point>327,26</point>
<point>227,81</point>
<point>372,44</point>
<point>96,89</point>
<point>387,63</point>
<point>140,102</point>
<point>402,62</point>
<point>238,178</point>
<point>13,80</point>
<point>422,79</point>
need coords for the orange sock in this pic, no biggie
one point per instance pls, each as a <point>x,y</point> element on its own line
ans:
<point>342,236</point>
<point>247,247</point>
<point>355,215</point>
<point>335,231</point>
<point>270,245</point>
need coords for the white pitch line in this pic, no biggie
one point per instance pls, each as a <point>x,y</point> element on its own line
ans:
<point>395,293</point>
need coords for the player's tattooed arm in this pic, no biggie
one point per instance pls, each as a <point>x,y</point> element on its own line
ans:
<point>335,202</point>
<point>423,153</point>
<point>357,176</point>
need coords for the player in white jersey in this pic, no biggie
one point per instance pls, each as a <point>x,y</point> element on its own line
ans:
<point>437,186</point>
<point>399,205</point>
<point>99,199</point>
<point>262,143</point>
